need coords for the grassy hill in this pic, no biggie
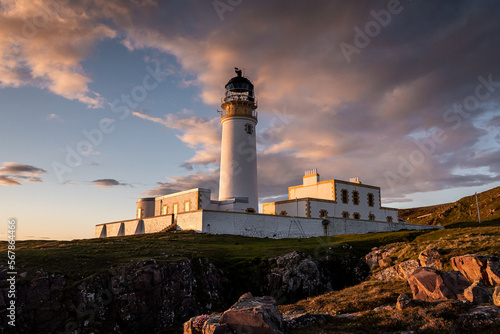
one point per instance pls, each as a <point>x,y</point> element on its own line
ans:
<point>78,259</point>
<point>461,213</point>
<point>359,300</point>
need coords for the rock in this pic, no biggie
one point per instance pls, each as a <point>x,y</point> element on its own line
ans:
<point>406,268</point>
<point>429,284</point>
<point>431,258</point>
<point>483,312</point>
<point>399,271</point>
<point>212,325</point>
<point>473,266</point>
<point>189,328</point>
<point>493,272</point>
<point>496,296</point>
<point>387,274</point>
<point>385,262</point>
<point>477,293</point>
<point>256,315</point>
<point>405,302</point>
<point>376,255</point>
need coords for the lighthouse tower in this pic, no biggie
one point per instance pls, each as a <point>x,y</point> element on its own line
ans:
<point>238,163</point>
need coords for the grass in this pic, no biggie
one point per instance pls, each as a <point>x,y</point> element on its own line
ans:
<point>78,259</point>
<point>445,317</point>
<point>462,213</point>
<point>365,296</point>
<point>452,242</point>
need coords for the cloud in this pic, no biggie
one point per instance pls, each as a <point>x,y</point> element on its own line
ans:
<point>43,44</point>
<point>316,110</point>
<point>207,180</point>
<point>201,134</point>
<point>12,173</point>
<point>54,118</point>
<point>106,183</point>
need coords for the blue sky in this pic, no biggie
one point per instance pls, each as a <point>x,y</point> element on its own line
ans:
<point>403,95</point>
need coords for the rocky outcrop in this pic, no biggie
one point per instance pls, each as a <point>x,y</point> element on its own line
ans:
<point>477,293</point>
<point>496,296</point>
<point>143,297</point>
<point>478,267</point>
<point>399,271</point>
<point>295,275</point>
<point>431,258</point>
<point>493,272</point>
<point>256,315</point>
<point>377,255</point>
<point>429,284</point>
<point>149,296</point>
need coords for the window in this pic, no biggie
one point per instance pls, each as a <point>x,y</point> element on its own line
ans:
<point>323,213</point>
<point>139,213</point>
<point>356,215</point>
<point>345,214</point>
<point>283,213</point>
<point>249,128</point>
<point>164,209</point>
<point>250,210</point>
<point>176,208</point>
<point>371,200</point>
<point>371,216</point>
<point>186,206</point>
<point>355,197</point>
<point>389,219</point>
<point>345,196</point>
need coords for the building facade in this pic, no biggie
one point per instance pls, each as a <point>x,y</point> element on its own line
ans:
<point>332,198</point>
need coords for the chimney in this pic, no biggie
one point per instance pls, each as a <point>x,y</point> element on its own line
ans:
<point>311,177</point>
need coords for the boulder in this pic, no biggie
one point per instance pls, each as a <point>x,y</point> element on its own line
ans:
<point>477,293</point>
<point>473,266</point>
<point>406,268</point>
<point>431,258</point>
<point>256,315</point>
<point>376,255</point>
<point>429,284</point>
<point>385,262</point>
<point>496,296</point>
<point>399,271</point>
<point>493,272</point>
<point>387,274</point>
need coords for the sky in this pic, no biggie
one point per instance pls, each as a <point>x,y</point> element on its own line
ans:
<point>105,102</point>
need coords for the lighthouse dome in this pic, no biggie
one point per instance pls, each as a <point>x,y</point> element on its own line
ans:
<point>239,88</point>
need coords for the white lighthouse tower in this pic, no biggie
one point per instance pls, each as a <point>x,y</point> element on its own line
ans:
<point>238,164</point>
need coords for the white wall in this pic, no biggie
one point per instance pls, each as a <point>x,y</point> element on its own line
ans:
<point>277,227</point>
<point>151,225</point>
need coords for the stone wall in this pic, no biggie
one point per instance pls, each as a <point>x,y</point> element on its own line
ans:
<point>134,226</point>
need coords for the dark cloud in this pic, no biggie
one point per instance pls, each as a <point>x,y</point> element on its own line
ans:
<point>316,109</point>
<point>105,183</point>
<point>11,173</point>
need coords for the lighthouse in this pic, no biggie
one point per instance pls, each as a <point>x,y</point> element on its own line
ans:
<point>238,163</point>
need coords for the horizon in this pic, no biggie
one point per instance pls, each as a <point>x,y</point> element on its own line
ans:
<point>106,102</point>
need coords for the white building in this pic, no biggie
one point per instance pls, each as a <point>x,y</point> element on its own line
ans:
<point>315,208</point>
<point>332,198</point>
